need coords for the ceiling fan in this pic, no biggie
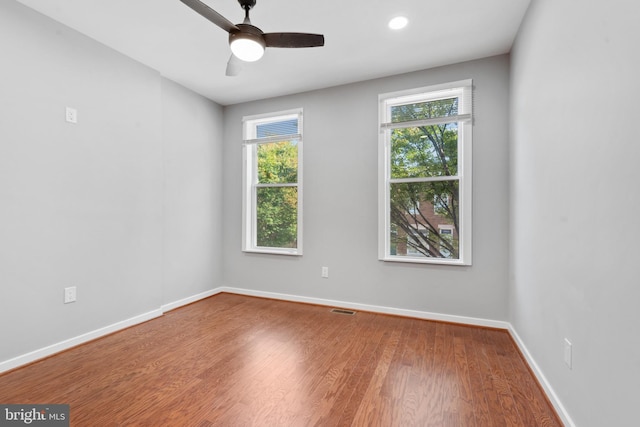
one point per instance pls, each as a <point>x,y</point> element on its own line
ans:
<point>248,42</point>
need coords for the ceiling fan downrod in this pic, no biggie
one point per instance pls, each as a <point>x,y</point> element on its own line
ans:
<point>247,5</point>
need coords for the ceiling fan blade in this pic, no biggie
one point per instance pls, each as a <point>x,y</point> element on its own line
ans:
<point>293,40</point>
<point>211,15</point>
<point>234,66</point>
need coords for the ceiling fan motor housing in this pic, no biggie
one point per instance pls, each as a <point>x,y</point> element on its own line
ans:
<point>247,31</point>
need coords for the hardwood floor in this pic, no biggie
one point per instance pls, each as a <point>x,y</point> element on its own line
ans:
<point>233,360</point>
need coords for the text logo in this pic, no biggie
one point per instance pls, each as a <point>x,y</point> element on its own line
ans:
<point>34,415</point>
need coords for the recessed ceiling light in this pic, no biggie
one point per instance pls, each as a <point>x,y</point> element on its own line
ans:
<point>398,23</point>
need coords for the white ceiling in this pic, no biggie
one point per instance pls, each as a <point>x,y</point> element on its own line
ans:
<point>183,46</point>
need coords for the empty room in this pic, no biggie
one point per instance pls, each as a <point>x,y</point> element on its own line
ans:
<point>319,213</point>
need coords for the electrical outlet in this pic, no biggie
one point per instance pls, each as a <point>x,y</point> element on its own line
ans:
<point>69,294</point>
<point>71,115</point>
<point>325,272</point>
<point>568,353</point>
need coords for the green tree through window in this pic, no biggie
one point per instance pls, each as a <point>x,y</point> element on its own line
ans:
<point>422,152</point>
<point>272,191</point>
<point>277,207</point>
<point>422,177</point>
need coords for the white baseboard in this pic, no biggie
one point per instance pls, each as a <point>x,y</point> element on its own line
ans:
<point>72,342</point>
<point>173,305</point>
<point>551,394</point>
<point>372,308</point>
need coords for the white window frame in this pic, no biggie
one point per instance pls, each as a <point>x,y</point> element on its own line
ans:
<point>250,179</point>
<point>463,89</point>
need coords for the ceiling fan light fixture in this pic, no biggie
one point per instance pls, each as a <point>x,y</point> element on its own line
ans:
<point>246,46</point>
<point>248,42</point>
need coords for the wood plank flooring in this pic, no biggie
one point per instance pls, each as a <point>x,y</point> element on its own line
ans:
<point>233,360</point>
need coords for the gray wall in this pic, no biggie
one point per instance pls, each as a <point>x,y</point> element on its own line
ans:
<point>340,202</point>
<point>138,204</point>
<point>575,202</point>
<point>192,141</point>
<point>82,205</point>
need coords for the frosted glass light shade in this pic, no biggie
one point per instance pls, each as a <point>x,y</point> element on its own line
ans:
<point>247,49</point>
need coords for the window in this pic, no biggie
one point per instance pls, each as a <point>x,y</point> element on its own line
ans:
<point>272,183</point>
<point>446,239</point>
<point>425,175</point>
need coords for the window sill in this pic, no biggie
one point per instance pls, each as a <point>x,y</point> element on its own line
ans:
<point>433,261</point>
<point>274,251</point>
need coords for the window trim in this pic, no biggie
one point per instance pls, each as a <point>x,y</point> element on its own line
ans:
<point>250,184</point>
<point>464,174</point>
